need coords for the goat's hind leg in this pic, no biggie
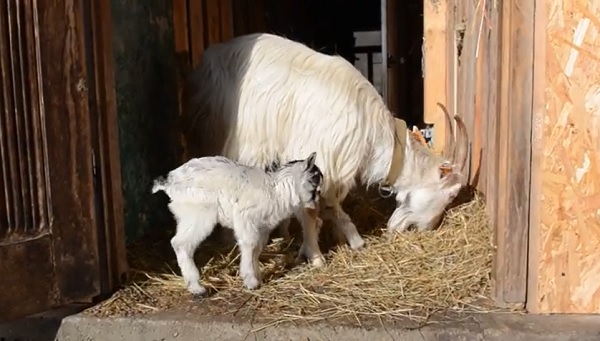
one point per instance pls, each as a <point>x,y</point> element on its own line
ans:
<point>250,240</point>
<point>194,225</point>
<point>310,230</point>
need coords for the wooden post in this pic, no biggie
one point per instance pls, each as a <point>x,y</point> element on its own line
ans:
<point>393,63</point>
<point>514,151</point>
<point>197,30</point>
<point>435,68</point>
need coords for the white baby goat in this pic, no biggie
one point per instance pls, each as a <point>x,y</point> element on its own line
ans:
<point>210,190</point>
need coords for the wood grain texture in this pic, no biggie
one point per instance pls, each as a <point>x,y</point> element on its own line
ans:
<point>69,145</point>
<point>511,221</point>
<point>196,30</point>
<point>50,225</point>
<point>393,51</point>
<point>435,68</point>
<point>24,294</point>
<point>106,144</point>
<point>565,276</point>
<point>24,210</point>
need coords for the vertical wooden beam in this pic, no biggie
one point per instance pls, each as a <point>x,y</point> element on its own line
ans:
<point>539,107</point>
<point>384,50</point>
<point>109,152</point>
<point>482,89</point>
<point>196,28</point>
<point>226,12</point>
<point>451,60</point>
<point>435,68</point>
<point>182,51</point>
<point>469,70</point>
<point>493,69</point>
<point>180,26</point>
<point>512,218</point>
<point>393,51</point>
<point>213,21</point>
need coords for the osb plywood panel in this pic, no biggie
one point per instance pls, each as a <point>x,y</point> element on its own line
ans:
<point>568,275</point>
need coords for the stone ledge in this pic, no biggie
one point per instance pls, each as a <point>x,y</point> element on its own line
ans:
<point>183,326</point>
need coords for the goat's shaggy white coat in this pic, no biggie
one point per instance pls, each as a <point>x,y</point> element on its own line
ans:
<point>261,98</point>
<point>210,190</point>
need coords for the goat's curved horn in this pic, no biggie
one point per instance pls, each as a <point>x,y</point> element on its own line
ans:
<point>462,140</point>
<point>450,148</point>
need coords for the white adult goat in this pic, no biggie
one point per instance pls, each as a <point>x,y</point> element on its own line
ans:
<point>210,190</point>
<point>262,99</point>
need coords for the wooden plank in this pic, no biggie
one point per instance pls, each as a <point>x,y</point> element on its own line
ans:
<point>226,10</point>
<point>196,28</point>
<point>69,149</point>
<point>180,26</point>
<point>393,50</point>
<point>483,88</point>
<point>467,75</point>
<point>24,294</point>
<point>25,243</point>
<point>491,152</point>
<point>435,68</point>
<point>213,22</point>
<point>112,225</point>
<point>539,106</point>
<point>568,198</point>
<point>384,51</point>
<point>451,62</point>
<point>512,219</point>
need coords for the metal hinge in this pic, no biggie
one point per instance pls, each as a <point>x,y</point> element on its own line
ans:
<point>94,169</point>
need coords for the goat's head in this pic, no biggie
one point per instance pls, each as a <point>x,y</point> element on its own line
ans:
<point>309,179</point>
<point>427,183</point>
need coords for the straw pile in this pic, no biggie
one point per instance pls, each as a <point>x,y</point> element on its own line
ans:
<point>408,275</point>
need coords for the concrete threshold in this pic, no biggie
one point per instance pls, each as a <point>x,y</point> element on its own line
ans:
<point>184,327</point>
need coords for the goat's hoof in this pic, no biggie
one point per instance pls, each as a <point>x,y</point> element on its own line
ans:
<point>357,244</point>
<point>318,262</point>
<point>197,290</point>
<point>251,283</point>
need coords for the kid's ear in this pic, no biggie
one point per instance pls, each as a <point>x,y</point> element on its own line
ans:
<point>310,162</point>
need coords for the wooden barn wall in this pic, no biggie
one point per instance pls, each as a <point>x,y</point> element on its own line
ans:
<point>565,210</point>
<point>489,49</point>
<point>145,76</point>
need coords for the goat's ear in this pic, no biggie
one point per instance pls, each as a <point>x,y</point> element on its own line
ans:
<point>310,162</point>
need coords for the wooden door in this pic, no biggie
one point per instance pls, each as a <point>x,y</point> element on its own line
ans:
<point>48,227</point>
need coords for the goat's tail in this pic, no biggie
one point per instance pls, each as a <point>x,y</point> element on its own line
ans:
<point>159,184</point>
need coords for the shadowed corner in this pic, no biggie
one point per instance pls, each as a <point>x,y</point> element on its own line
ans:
<point>38,327</point>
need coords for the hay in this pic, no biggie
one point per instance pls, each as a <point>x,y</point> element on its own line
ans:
<point>408,275</point>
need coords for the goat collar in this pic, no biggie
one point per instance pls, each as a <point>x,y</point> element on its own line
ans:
<point>400,130</point>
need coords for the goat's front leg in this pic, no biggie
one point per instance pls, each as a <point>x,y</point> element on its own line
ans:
<point>344,228</point>
<point>250,242</point>
<point>310,229</point>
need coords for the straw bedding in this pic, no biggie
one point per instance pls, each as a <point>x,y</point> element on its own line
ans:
<point>412,274</point>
